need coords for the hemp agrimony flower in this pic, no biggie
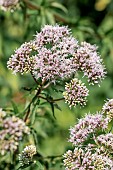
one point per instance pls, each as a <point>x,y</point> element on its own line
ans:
<point>87,159</point>
<point>21,60</point>
<point>87,126</point>
<point>49,56</point>
<point>93,144</point>
<point>106,140</point>
<point>88,61</point>
<point>12,130</point>
<point>75,93</point>
<point>55,54</point>
<point>27,155</point>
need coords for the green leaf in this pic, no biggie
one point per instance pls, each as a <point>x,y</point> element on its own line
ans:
<point>25,166</point>
<point>52,108</point>
<point>43,17</point>
<point>43,103</point>
<point>50,17</point>
<point>57,106</point>
<point>34,133</point>
<point>11,156</point>
<point>33,116</point>
<point>39,165</point>
<point>60,6</point>
<point>15,108</point>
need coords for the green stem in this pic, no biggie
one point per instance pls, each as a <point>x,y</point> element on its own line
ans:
<point>49,100</point>
<point>52,157</point>
<point>29,106</point>
<point>35,79</point>
<point>49,157</point>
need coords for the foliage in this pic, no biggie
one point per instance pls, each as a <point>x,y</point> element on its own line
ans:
<point>49,123</point>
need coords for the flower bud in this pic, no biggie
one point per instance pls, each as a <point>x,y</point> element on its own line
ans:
<point>27,155</point>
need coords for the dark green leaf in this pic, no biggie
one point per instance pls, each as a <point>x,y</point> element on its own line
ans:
<point>60,6</point>
<point>34,133</point>
<point>15,108</point>
<point>52,108</point>
<point>57,106</point>
<point>33,116</point>
<point>39,165</point>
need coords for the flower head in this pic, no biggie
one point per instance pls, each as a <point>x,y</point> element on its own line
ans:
<point>87,159</point>
<point>27,155</point>
<point>93,144</point>
<point>55,49</point>
<point>51,34</point>
<point>55,54</point>
<point>12,130</point>
<point>75,93</point>
<point>21,60</point>
<point>106,140</point>
<point>49,56</point>
<point>86,126</point>
<point>72,160</point>
<point>88,61</point>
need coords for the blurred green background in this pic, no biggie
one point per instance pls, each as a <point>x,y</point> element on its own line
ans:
<point>91,21</point>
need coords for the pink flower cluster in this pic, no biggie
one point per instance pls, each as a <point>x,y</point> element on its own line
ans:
<point>87,126</point>
<point>88,61</point>
<point>93,144</point>
<point>87,159</point>
<point>55,54</point>
<point>12,130</point>
<point>49,56</point>
<point>106,140</point>
<point>75,93</point>
<point>21,61</point>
